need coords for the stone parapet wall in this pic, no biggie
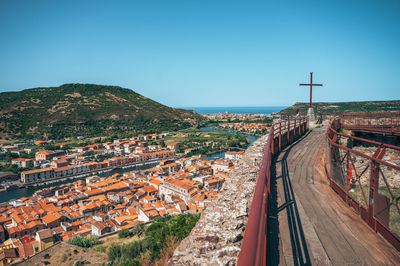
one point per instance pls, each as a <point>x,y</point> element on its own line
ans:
<point>217,236</point>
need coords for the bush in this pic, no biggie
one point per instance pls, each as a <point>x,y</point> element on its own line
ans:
<point>159,237</point>
<point>129,262</point>
<point>114,252</point>
<point>133,249</point>
<point>125,233</point>
<point>84,242</point>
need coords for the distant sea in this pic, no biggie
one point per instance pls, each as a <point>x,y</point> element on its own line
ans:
<point>237,110</point>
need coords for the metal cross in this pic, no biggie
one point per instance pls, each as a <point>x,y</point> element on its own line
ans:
<point>311,85</point>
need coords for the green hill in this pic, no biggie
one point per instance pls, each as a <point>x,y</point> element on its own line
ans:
<point>338,108</point>
<point>86,110</point>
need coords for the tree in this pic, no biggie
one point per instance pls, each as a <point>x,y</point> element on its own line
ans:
<point>139,230</point>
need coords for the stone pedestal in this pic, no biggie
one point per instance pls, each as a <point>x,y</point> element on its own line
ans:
<point>311,114</point>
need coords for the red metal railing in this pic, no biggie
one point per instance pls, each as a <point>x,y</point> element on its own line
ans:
<point>387,123</point>
<point>254,244</point>
<point>366,176</point>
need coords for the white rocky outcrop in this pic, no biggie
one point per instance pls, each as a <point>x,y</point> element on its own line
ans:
<point>217,236</point>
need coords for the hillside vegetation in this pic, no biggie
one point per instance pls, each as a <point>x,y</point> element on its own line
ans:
<point>86,110</point>
<point>321,108</point>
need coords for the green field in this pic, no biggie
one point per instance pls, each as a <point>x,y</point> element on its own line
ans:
<point>204,142</point>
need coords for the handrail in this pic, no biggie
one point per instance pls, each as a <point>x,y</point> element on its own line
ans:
<point>366,140</point>
<point>371,115</point>
<point>363,183</point>
<point>378,122</point>
<point>254,244</point>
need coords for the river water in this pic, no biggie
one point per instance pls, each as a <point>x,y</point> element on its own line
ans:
<point>222,154</point>
<point>28,191</point>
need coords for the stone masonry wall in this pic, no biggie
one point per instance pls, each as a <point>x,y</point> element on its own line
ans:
<point>217,236</point>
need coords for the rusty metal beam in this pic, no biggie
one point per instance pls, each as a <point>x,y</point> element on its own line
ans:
<point>377,203</point>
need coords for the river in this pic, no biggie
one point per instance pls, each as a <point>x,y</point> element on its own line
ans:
<point>28,191</point>
<point>222,154</point>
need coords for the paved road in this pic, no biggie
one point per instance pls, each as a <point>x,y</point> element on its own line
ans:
<point>309,223</point>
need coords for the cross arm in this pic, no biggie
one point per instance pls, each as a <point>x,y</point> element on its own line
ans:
<point>301,84</point>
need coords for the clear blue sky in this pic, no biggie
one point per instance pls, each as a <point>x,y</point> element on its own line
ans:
<point>206,53</point>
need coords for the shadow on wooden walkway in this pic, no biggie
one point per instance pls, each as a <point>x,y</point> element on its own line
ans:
<point>297,239</point>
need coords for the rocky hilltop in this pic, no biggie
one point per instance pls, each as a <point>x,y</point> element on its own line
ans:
<point>86,110</point>
<point>338,108</point>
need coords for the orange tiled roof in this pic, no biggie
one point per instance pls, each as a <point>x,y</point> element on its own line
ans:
<point>149,189</point>
<point>94,192</point>
<point>156,182</point>
<point>38,170</point>
<point>123,218</point>
<point>185,184</point>
<point>34,224</point>
<point>49,218</point>
<point>22,159</point>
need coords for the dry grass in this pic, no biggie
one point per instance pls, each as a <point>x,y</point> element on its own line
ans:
<point>108,241</point>
<point>66,254</point>
<point>171,243</point>
<point>113,240</point>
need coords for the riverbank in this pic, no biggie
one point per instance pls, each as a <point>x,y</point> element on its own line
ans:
<point>252,138</point>
<point>216,155</point>
<point>254,134</point>
<point>95,172</point>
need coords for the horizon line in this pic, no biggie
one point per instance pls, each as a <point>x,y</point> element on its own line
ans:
<point>230,106</point>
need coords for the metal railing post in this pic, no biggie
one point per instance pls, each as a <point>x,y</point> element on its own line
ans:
<point>272,142</point>
<point>294,130</point>
<point>280,135</point>
<point>371,194</point>
<point>347,172</point>
<point>300,124</point>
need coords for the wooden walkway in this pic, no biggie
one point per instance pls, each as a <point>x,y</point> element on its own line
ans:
<point>309,224</point>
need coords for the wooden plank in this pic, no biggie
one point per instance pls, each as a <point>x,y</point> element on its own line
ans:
<point>333,233</point>
<point>335,243</point>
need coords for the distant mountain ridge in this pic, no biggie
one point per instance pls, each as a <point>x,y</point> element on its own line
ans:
<point>86,110</point>
<point>338,108</point>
